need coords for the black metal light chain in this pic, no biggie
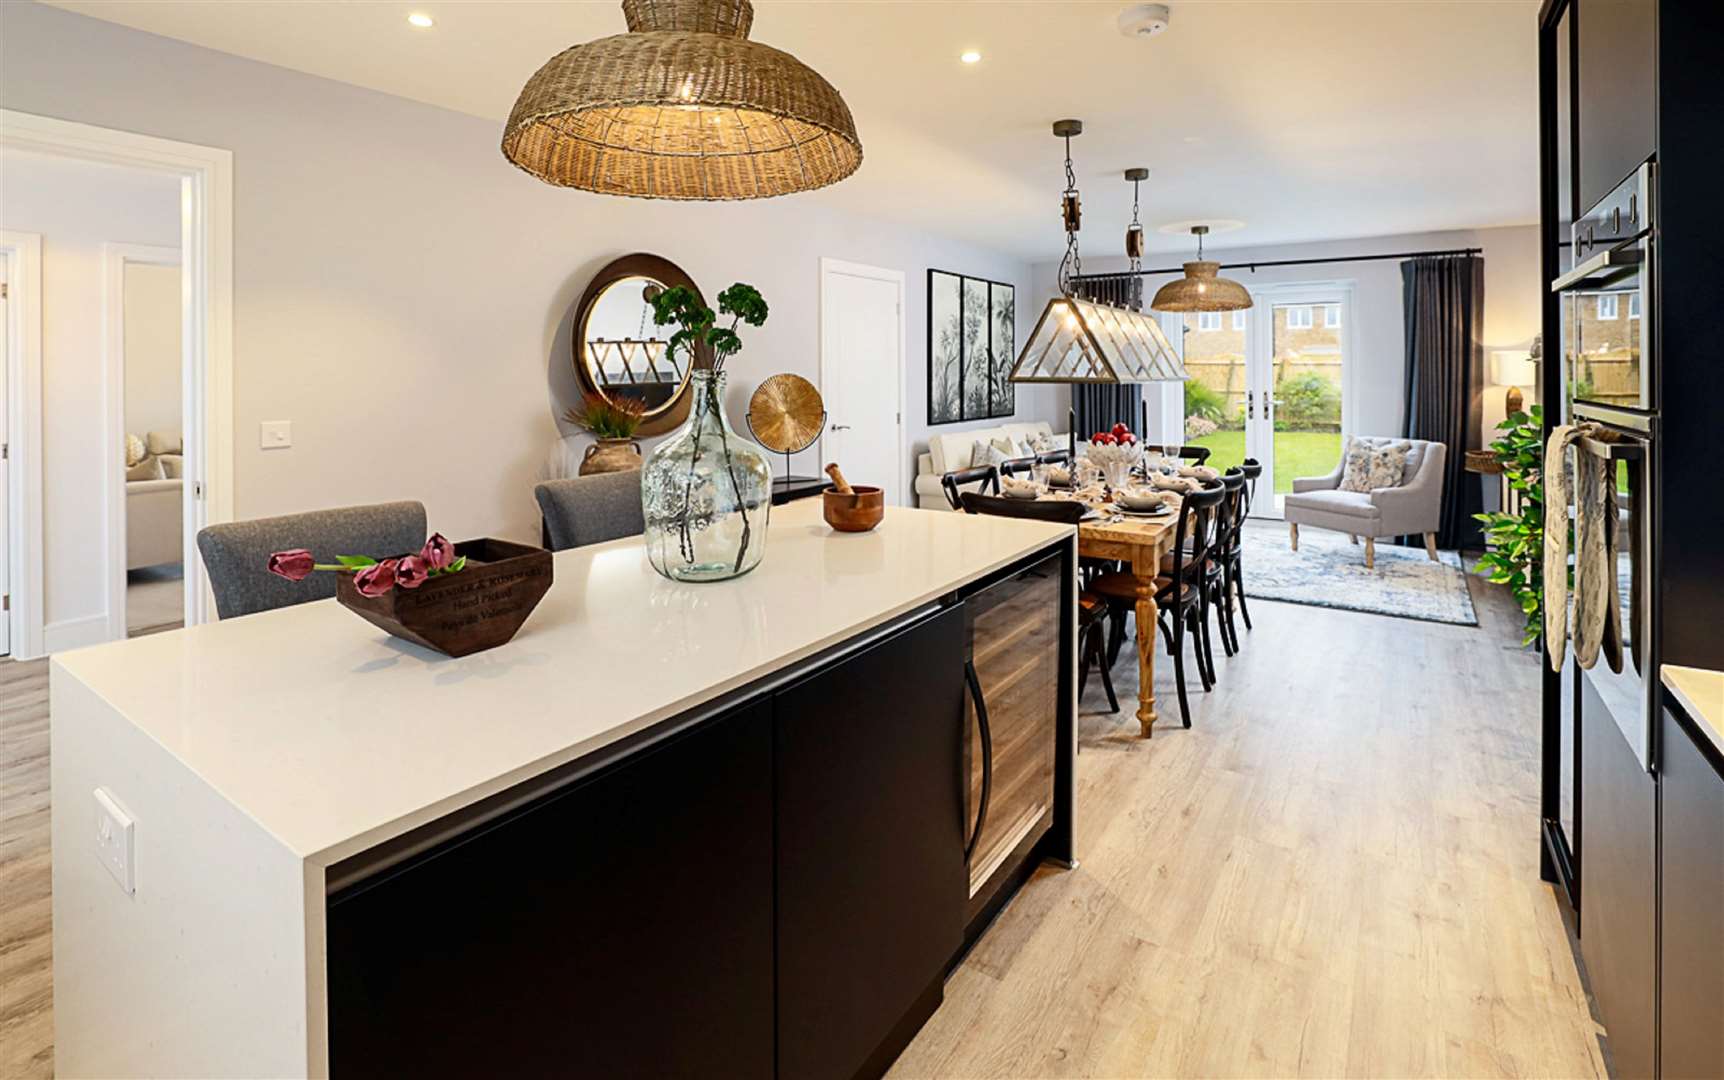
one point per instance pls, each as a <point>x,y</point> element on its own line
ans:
<point>1072,265</point>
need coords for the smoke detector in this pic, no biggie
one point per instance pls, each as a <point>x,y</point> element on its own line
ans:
<point>1144,20</point>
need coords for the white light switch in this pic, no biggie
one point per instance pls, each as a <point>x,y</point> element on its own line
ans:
<point>275,434</point>
<point>114,840</point>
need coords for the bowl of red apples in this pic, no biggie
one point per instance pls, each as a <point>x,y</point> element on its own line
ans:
<point>1116,452</point>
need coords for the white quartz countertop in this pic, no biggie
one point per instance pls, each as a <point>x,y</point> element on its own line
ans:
<point>1701,693</point>
<point>334,737</point>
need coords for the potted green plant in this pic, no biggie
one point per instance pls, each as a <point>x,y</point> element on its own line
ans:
<point>613,423</point>
<point>1515,554</point>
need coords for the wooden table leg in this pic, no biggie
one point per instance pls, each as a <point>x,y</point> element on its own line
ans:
<point>1146,629</point>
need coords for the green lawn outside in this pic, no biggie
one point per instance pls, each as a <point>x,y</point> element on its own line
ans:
<point>1297,453</point>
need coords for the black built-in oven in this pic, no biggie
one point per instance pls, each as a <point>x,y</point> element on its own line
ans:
<point>1607,300</point>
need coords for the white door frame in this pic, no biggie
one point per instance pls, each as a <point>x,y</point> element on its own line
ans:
<point>206,247</point>
<point>115,259</point>
<point>895,278</point>
<point>24,439</point>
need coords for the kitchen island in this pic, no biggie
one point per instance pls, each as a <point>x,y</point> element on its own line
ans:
<point>670,828</point>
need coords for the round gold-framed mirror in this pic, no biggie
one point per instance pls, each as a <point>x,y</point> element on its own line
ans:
<point>620,352</point>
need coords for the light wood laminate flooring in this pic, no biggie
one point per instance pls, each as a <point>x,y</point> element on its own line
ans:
<point>1332,873</point>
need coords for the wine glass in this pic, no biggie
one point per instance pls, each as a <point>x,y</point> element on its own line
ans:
<point>1170,454</point>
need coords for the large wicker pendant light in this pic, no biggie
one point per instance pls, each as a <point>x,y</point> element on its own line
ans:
<point>1081,341</point>
<point>1201,289</point>
<point>683,106</point>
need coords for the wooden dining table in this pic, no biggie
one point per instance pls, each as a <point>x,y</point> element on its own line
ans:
<point>1140,543</point>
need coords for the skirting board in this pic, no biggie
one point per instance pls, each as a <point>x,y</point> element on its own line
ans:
<point>75,633</point>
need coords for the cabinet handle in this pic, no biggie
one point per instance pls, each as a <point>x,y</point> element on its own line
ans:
<point>982,728</point>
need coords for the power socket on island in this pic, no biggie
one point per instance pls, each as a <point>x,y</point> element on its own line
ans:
<point>114,840</point>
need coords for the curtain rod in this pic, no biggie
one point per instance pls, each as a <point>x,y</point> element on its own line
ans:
<point>1252,266</point>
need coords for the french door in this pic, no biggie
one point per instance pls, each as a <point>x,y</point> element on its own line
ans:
<point>1269,383</point>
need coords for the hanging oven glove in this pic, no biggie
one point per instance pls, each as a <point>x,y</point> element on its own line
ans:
<point>1597,484</point>
<point>1556,507</point>
<point>1597,616</point>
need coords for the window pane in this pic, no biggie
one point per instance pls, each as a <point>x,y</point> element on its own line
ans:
<point>1215,390</point>
<point>1307,379</point>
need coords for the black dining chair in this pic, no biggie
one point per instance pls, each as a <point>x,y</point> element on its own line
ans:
<point>1218,578</point>
<point>986,477</point>
<point>1092,609</point>
<point>1180,593</point>
<point>1054,457</point>
<point>1199,454</point>
<point>1252,468</point>
<point>1017,466</point>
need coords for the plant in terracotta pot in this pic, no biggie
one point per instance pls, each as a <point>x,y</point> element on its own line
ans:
<point>613,423</point>
<point>706,491</point>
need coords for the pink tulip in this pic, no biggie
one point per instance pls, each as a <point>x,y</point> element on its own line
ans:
<point>294,565</point>
<point>377,579</point>
<point>438,552</point>
<point>411,571</point>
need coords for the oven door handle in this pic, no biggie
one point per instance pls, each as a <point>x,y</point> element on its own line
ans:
<point>1605,268</point>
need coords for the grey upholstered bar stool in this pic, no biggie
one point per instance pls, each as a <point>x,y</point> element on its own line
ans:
<point>591,509</point>
<point>237,554</point>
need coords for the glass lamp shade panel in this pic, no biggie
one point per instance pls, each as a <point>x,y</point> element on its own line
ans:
<point>1201,289</point>
<point>1079,341</point>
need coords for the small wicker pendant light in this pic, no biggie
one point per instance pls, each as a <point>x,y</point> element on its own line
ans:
<point>683,106</point>
<point>1201,289</point>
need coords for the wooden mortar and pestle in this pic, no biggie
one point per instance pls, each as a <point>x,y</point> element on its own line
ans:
<point>852,509</point>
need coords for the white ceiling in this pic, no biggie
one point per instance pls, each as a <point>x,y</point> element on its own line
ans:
<point>1306,120</point>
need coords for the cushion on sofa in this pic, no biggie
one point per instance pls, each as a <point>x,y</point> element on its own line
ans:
<point>148,469</point>
<point>173,466</point>
<point>164,442</point>
<point>1371,464</point>
<point>136,451</point>
<point>950,450</point>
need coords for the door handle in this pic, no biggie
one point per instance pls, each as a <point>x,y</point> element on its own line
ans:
<point>987,734</point>
<point>1250,406</point>
<point>840,427</point>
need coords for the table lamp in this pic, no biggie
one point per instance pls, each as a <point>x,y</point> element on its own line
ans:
<point>1513,368</point>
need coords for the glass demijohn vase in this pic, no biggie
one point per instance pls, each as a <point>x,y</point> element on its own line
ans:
<point>706,493</point>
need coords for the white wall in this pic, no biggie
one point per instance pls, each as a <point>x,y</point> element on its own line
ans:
<point>1511,315</point>
<point>153,360</point>
<point>78,207</point>
<point>403,294</point>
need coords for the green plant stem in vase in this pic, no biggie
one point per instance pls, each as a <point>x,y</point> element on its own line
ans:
<point>706,491</point>
<point>1515,554</point>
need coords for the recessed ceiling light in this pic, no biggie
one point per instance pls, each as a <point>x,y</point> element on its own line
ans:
<point>421,20</point>
<point>970,56</point>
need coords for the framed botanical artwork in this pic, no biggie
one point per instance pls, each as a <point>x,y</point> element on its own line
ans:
<point>972,342</point>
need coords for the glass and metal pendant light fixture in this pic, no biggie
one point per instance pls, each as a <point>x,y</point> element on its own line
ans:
<point>1201,288</point>
<point>683,106</point>
<point>1082,341</point>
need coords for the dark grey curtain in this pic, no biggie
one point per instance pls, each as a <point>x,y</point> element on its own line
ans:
<point>1443,300</point>
<point>1100,406</point>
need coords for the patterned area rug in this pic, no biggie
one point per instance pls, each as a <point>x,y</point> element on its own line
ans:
<point>1328,571</point>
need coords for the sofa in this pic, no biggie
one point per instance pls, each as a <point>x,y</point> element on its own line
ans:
<point>155,500</point>
<point>949,451</point>
<point>1413,506</point>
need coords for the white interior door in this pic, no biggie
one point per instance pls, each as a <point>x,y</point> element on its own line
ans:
<point>862,373</point>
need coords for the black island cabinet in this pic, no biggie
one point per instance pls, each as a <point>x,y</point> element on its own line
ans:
<point>773,886</point>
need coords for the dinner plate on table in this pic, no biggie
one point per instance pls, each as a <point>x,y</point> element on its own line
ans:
<point>1159,511</point>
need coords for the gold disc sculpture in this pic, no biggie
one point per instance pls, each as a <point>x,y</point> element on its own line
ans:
<point>786,413</point>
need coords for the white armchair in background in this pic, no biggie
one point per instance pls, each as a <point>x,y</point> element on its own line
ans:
<point>1415,506</point>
